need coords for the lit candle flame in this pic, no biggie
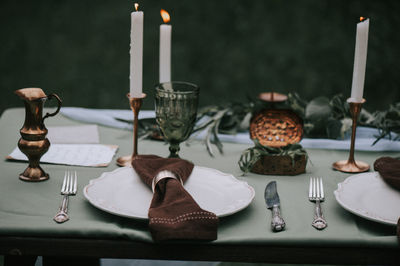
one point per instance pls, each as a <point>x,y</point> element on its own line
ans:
<point>362,19</point>
<point>165,16</point>
<point>136,6</point>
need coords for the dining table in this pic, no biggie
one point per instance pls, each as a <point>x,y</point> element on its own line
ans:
<point>27,228</point>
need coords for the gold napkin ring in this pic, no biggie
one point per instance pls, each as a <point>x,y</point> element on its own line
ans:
<point>161,175</point>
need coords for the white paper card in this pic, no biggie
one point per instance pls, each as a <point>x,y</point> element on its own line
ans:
<point>73,154</point>
<point>85,134</point>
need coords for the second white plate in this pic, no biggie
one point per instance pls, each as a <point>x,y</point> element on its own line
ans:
<point>122,192</point>
<point>368,196</point>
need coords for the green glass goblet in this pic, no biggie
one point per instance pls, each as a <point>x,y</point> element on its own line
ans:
<point>176,110</point>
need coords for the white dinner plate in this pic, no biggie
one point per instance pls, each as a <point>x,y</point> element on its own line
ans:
<point>122,192</point>
<point>368,196</point>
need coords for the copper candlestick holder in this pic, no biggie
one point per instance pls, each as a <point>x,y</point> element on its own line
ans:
<point>136,104</point>
<point>352,166</point>
<point>33,142</point>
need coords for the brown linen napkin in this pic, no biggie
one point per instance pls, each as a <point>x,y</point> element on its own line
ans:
<point>173,213</point>
<point>389,169</point>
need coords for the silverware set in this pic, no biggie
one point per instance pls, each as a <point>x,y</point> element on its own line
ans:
<point>69,188</point>
<point>315,194</point>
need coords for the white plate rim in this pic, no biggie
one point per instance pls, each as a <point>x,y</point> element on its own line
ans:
<point>100,206</point>
<point>360,212</point>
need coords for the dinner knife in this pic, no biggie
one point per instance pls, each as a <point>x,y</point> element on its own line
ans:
<point>272,200</point>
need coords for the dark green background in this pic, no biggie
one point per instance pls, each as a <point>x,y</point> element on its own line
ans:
<point>231,49</point>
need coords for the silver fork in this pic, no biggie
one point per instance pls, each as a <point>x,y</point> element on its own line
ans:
<point>316,194</point>
<point>68,188</point>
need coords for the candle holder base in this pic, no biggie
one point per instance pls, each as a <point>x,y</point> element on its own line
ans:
<point>136,104</point>
<point>350,167</point>
<point>34,174</point>
<point>124,161</point>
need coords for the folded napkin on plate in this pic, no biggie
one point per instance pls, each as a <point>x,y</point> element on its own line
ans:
<point>389,169</point>
<point>173,213</point>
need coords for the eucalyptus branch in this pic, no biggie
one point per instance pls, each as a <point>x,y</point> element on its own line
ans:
<point>323,118</point>
<point>214,119</point>
<point>388,122</point>
<point>211,128</point>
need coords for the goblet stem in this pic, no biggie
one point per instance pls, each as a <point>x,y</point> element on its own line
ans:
<point>174,150</point>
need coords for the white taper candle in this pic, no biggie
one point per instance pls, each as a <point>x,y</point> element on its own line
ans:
<point>165,48</point>
<point>136,53</point>
<point>360,60</point>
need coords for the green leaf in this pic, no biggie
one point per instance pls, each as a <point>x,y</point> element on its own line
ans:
<point>318,109</point>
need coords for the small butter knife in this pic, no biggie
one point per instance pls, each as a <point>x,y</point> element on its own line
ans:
<point>272,200</point>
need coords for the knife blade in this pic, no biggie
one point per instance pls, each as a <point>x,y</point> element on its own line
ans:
<point>272,200</point>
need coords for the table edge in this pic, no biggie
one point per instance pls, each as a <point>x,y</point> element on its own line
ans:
<point>106,248</point>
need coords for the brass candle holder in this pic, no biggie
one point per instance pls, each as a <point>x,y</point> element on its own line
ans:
<point>352,166</point>
<point>136,104</point>
<point>33,142</point>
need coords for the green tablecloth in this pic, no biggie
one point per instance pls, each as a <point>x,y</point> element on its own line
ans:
<point>26,209</point>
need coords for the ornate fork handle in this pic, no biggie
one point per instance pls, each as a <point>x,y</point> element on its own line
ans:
<point>319,220</point>
<point>62,214</point>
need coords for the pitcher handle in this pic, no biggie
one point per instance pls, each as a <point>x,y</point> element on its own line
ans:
<point>50,96</point>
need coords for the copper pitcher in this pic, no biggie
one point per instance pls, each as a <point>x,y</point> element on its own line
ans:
<point>33,142</point>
